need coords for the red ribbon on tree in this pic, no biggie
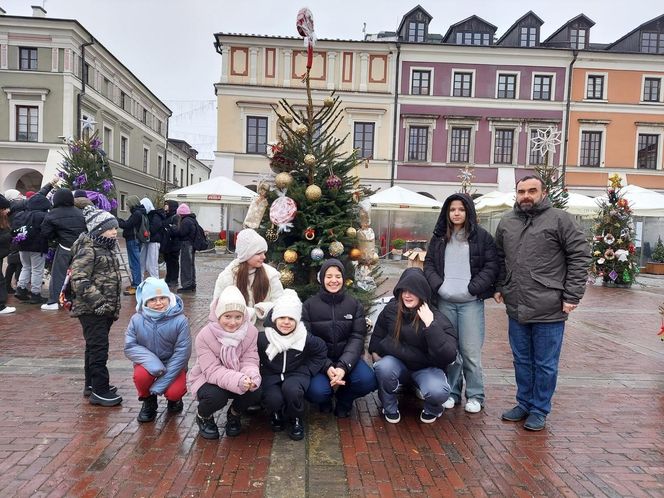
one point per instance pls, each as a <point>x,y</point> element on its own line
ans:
<point>305,27</point>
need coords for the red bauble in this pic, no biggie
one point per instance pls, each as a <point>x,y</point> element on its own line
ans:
<point>333,182</point>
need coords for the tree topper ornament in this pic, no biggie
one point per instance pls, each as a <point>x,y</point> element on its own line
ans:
<point>546,140</point>
<point>87,123</point>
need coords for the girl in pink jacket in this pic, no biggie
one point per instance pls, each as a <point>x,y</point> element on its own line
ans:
<point>226,365</point>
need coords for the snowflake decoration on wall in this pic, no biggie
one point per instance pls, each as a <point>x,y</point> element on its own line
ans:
<point>546,140</point>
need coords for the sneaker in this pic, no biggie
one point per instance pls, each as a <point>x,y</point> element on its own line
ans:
<point>149,410</point>
<point>297,430</point>
<point>175,406</point>
<point>428,418</point>
<point>449,404</point>
<point>36,298</point>
<point>535,422</point>
<point>129,291</point>
<point>107,399</point>
<point>207,427</point>
<point>6,310</point>
<point>233,423</point>
<point>392,418</point>
<point>50,307</point>
<point>22,294</point>
<point>473,406</point>
<point>516,414</point>
<point>87,390</point>
<point>186,289</point>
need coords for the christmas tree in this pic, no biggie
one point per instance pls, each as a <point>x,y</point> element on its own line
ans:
<point>314,211</point>
<point>613,250</point>
<point>553,184</point>
<point>85,167</point>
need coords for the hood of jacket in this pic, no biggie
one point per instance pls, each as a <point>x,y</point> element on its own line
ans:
<point>38,202</point>
<point>413,280</point>
<point>443,218</point>
<point>147,204</point>
<point>63,198</point>
<point>172,206</point>
<point>538,208</point>
<point>138,208</point>
<point>324,293</point>
<point>177,308</point>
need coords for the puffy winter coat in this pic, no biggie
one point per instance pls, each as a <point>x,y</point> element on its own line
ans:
<point>133,223</point>
<point>307,362</point>
<point>64,223</point>
<point>161,345</point>
<point>156,218</point>
<point>209,368</point>
<point>544,259</point>
<point>481,247</point>
<point>32,217</point>
<point>169,243</point>
<point>418,346</point>
<point>5,241</point>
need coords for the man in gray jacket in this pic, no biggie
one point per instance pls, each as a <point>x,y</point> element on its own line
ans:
<point>544,259</point>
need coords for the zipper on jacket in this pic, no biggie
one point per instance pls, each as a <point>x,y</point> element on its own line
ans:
<point>283,368</point>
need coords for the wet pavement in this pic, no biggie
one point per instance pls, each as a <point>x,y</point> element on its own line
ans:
<point>604,436</point>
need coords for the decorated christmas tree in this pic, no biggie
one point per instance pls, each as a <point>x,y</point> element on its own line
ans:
<point>314,200</point>
<point>613,250</point>
<point>85,167</point>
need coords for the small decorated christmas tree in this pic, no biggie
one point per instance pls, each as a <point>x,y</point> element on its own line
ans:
<point>85,167</point>
<point>544,142</point>
<point>613,250</point>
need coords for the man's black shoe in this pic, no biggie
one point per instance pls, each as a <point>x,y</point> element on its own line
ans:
<point>297,431</point>
<point>22,294</point>
<point>105,399</point>
<point>87,390</point>
<point>187,289</point>
<point>277,422</point>
<point>149,410</point>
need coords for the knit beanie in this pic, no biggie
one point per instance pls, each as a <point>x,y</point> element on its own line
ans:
<point>149,288</point>
<point>248,244</point>
<point>12,194</point>
<point>183,209</point>
<point>4,203</point>
<point>81,193</point>
<point>29,194</point>
<point>231,299</point>
<point>132,201</point>
<point>288,304</point>
<point>98,221</point>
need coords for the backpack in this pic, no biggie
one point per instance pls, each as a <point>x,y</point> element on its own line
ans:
<point>143,231</point>
<point>200,242</point>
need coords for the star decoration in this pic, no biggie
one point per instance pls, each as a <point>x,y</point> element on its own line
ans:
<point>546,140</point>
<point>87,123</point>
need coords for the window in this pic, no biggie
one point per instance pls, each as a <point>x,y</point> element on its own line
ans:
<point>415,31</point>
<point>591,144</point>
<point>124,143</point>
<point>536,158</point>
<point>651,89</point>
<point>168,171</point>
<point>27,59</point>
<point>159,125</point>
<point>86,73</point>
<point>418,143</point>
<point>647,152</point>
<point>420,84</point>
<point>146,159</point>
<point>191,178</point>
<point>507,86</point>
<point>159,165</point>
<point>182,178</point>
<point>595,87</point>
<point>175,178</point>
<point>542,87</point>
<point>256,135</point>
<point>469,38</point>
<point>503,145</point>
<point>363,139</point>
<point>528,37</point>
<point>107,88</point>
<point>144,117</point>
<point>460,145</point>
<point>123,201</point>
<point>27,123</point>
<point>577,38</point>
<point>108,141</point>
<point>652,43</point>
<point>463,85</point>
<point>124,101</point>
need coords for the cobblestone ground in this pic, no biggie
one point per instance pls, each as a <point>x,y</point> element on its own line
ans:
<point>603,438</point>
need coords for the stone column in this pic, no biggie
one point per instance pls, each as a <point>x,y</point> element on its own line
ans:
<point>55,59</point>
<point>364,71</point>
<point>253,63</point>
<point>331,73</point>
<point>287,66</point>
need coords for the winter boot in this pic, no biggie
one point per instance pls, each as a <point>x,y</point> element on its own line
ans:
<point>36,299</point>
<point>22,294</point>
<point>297,430</point>
<point>207,427</point>
<point>149,411</point>
<point>175,406</point>
<point>233,423</point>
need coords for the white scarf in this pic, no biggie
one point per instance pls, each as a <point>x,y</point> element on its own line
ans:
<point>281,343</point>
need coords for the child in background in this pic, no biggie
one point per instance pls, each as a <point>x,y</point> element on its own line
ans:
<point>290,357</point>
<point>226,365</point>
<point>158,342</point>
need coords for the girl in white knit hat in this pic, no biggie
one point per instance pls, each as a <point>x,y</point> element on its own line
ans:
<point>259,283</point>
<point>226,365</point>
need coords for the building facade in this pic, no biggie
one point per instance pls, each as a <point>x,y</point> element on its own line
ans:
<point>183,168</point>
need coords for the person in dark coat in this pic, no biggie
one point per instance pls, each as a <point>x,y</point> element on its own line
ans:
<point>185,231</point>
<point>338,319</point>
<point>289,358</point>
<point>5,241</point>
<point>129,228</point>
<point>63,224</point>
<point>461,266</point>
<point>150,250</point>
<point>32,246</point>
<point>412,343</point>
<point>170,246</point>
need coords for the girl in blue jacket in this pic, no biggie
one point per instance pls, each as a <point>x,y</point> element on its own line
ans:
<point>159,343</point>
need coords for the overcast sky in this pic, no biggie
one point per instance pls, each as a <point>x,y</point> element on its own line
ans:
<point>168,43</point>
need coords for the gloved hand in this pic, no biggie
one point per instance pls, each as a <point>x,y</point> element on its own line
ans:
<point>104,309</point>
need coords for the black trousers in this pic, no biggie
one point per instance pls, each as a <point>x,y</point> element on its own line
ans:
<point>13,269</point>
<point>287,396</point>
<point>95,331</point>
<point>3,288</point>
<point>172,260</point>
<point>212,398</point>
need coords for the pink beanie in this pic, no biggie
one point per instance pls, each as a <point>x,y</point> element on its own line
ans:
<point>183,209</point>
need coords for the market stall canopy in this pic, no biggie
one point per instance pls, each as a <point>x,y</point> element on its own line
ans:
<point>217,190</point>
<point>395,198</point>
<point>577,204</point>
<point>642,201</point>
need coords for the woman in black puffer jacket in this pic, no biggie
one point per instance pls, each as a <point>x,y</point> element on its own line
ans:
<point>338,319</point>
<point>5,241</point>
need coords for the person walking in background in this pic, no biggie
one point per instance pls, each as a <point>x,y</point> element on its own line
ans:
<point>170,246</point>
<point>63,224</point>
<point>158,342</point>
<point>129,228</point>
<point>338,318</point>
<point>150,251</point>
<point>184,231</point>
<point>544,259</point>
<point>461,267</point>
<point>5,242</point>
<point>17,203</point>
<point>412,344</point>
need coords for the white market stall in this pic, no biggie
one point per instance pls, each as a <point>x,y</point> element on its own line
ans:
<point>219,203</point>
<point>401,213</point>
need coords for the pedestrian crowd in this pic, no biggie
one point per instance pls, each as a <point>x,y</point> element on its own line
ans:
<point>263,347</point>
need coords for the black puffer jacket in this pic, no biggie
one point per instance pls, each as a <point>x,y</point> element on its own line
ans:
<point>307,362</point>
<point>418,346</point>
<point>484,262</point>
<point>339,320</point>
<point>170,244</point>
<point>156,218</point>
<point>133,223</point>
<point>186,230</point>
<point>64,223</point>
<point>33,216</point>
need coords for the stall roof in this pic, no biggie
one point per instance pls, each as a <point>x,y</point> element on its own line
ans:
<point>642,201</point>
<point>577,204</point>
<point>217,190</point>
<point>395,198</point>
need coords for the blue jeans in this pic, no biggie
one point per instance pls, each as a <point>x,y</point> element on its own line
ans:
<point>134,256</point>
<point>536,351</point>
<point>392,373</point>
<point>360,381</point>
<point>468,320</point>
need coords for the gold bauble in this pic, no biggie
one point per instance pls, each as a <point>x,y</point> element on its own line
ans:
<point>349,282</point>
<point>288,118</point>
<point>351,233</point>
<point>309,159</point>
<point>290,256</point>
<point>328,101</point>
<point>301,129</point>
<point>313,193</point>
<point>374,259</point>
<point>336,249</point>
<point>354,254</point>
<point>271,234</point>
<point>287,277</point>
<point>283,180</point>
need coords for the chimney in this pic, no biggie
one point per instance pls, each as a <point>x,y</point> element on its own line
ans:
<point>38,11</point>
